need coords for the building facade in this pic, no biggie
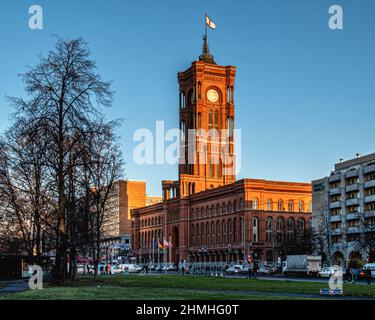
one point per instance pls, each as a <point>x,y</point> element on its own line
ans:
<point>125,196</point>
<point>344,211</point>
<point>206,214</point>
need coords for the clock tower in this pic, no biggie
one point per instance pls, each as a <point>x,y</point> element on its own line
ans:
<point>207,125</point>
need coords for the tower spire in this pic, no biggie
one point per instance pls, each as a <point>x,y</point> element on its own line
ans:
<point>206,56</point>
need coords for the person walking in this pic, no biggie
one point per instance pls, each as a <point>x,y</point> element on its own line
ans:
<point>250,273</point>
<point>368,274</point>
<point>255,270</point>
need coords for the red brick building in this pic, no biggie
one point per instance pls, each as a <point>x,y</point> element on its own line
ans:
<point>206,214</point>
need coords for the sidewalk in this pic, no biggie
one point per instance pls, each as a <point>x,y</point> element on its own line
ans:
<point>14,286</point>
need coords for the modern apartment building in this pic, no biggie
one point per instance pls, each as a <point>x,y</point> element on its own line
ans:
<point>344,212</point>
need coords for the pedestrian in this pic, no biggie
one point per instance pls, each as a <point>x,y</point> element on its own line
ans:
<point>255,270</point>
<point>250,273</point>
<point>108,268</point>
<point>368,274</point>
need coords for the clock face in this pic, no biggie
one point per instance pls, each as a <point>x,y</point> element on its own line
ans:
<point>212,95</point>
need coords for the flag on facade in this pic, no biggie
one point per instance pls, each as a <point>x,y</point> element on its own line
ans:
<point>210,23</point>
<point>155,244</point>
<point>167,244</point>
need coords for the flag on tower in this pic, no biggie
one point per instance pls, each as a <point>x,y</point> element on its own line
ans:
<point>210,23</point>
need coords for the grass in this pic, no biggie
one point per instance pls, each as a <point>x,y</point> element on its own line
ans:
<point>144,287</point>
<point>131,293</point>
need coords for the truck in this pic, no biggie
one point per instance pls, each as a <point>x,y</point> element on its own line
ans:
<point>303,265</point>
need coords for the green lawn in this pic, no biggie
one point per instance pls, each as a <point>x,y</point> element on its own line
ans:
<point>144,287</point>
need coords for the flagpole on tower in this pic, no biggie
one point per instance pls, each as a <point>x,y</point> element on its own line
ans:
<point>205,26</point>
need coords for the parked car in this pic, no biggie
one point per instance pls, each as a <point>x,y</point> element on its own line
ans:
<point>117,269</point>
<point>266,270</point>
<point>132,268</point>
<point>234,269</point>
<point>172,268</point>
<point>327,272</point>
<point>362,274</point>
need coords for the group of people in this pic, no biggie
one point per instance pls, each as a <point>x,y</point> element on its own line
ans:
<point>105,268</point>
<point>253,271</point>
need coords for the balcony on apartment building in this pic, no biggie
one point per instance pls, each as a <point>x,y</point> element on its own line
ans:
<point>336,232</point>
<point>335,204</point>
<point>370,214</point>
<point>335,218</point>
<point>352,173</point>
<point>353,230</point>
<point>335,177</point>
<point>352,216</point>
<point>369,169</point>
<point>335,191</point>
<point>370,198</point>
<point>352,202</point>
<point>369,184</point>
<point>352,187</point>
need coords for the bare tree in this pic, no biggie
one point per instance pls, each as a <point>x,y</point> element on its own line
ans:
<point>65,94</point>
<point>25,201</point>
<point>366,242</point>
<point>104,166</point>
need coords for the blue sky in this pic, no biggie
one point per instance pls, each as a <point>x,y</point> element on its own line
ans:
<point>304,94</point>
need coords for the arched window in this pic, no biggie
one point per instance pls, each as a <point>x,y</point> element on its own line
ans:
<point>279,229</point>
<point>218,209</point>
<point>212,232</point>
<point>280,205</point>
<point>208,233</point>
<point>211,168</point>
<point>218,234</point>
<point>269,229</point>
<point>255,204</point>
<point>291,205</point>
<point>198,213</point>
<point>291,229</point>
<point>255,229</point>
<point>203,214</point>
<point>183,130</point>
<point>301,228</point>
<point>269,205</point>
<point>224,228</point>
<point>230,231</point>
<point>241,204</point>
<point>198,234</point>
<point>235,230</point>
<point>202,234</point>
<point>193,234</point>
<point>301,206</point>
<point>230,208</point>
<point>213,210</point>
<point>182,100</point>
<point>224,208</point>
<point>234,206</point>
